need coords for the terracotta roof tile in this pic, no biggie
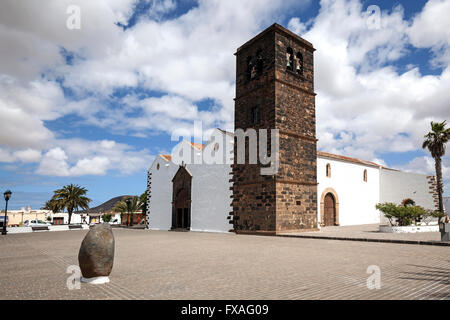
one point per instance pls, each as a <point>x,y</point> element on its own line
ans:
<point>166,157</point>
<point>319,154</point>
<point>197,145</point>
<point>348,159</point>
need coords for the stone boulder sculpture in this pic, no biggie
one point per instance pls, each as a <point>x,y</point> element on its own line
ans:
<point>96,255</point>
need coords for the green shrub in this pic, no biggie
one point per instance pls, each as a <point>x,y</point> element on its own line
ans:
<point>106,217</point>
<point>401,215</point>
<point>389,210</point>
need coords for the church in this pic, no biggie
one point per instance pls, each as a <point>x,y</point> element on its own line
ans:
<point>310,188</point>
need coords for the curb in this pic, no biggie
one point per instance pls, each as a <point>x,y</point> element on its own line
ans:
<point>30,230</point>
<point>417,242</point>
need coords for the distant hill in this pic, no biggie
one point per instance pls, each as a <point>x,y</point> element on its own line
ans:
<point>106,206</point>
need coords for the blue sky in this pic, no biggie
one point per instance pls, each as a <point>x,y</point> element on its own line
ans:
<point>93,106</point>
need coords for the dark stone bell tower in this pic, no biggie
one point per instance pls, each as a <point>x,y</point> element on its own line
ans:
<point>275,90</point>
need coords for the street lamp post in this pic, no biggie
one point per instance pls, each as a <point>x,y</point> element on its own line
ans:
<point>7,195</point>
<point>128,202</point>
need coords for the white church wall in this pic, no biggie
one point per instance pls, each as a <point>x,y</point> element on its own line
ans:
<point>211,201</point>
<point>396,186</point>
<point>211,194</point>
<point>357,198</point>
<point>160,207</point>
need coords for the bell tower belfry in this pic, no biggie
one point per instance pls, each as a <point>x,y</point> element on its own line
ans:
<point>275,90</point>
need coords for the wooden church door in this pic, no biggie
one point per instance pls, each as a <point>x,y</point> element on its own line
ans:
<point>329,217</point>
<point>183,210</point>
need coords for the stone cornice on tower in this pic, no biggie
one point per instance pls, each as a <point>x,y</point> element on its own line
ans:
<point>276,27</point>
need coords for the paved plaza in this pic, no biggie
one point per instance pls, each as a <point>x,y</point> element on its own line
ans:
<point>192,265</point>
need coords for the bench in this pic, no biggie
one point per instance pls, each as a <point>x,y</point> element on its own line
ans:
<point>40,228</point>
<point>75,226</point>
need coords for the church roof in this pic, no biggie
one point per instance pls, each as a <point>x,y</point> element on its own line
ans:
<point>166,157</point>
<point>226,132</point>
<point>197,145</point>
<point>320,154</point>
<point>323,154</point>
<point>276,27</point>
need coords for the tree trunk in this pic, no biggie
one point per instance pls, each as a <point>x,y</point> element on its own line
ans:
<point>70,215</point>
<point>438,165</point>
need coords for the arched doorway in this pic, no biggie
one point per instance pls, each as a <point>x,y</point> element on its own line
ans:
<point>182,208</point>
<point>329,208</point>
<point>181,200</point>
<point>329,214</point>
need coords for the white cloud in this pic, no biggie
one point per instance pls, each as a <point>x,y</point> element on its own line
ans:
<point>94,166</point>
<point>6,156</point>
<point>77,157</point>
<point>159,8</point>
<point>365,106</point>
<point>54,163</point>
<point>28,155</point>
<point>35,31</point>
<point>431,27</point>
<point>23,155</point>
<point>296,26</point>
<point>426,165</point>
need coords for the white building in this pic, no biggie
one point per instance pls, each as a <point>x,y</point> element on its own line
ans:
<point>63,218</point>
<point>198,196</point>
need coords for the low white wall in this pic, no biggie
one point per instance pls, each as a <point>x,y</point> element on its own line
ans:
<point>19,229</point>
<point>58,228</point>
<point>50,228</point>
<point>409,229</point>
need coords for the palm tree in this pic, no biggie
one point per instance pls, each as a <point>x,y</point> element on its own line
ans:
<point>128,206</point>
<point>71,197</point>
<point>435,141</point>
<point>52,205</point>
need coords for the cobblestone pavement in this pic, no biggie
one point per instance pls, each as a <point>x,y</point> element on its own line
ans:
<point>192,265</point>
<point>369,231</point>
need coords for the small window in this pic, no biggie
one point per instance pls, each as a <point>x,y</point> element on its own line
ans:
<point>289,59</point>
<point>259,62</point>
<point>251,68</point>
<point>255,115</point>
<point>299,64</point>
<point>328,170</point>
<point>365,176</point>
<point>157,166</point>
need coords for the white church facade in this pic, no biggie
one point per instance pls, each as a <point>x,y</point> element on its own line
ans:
<point>348,189</point>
